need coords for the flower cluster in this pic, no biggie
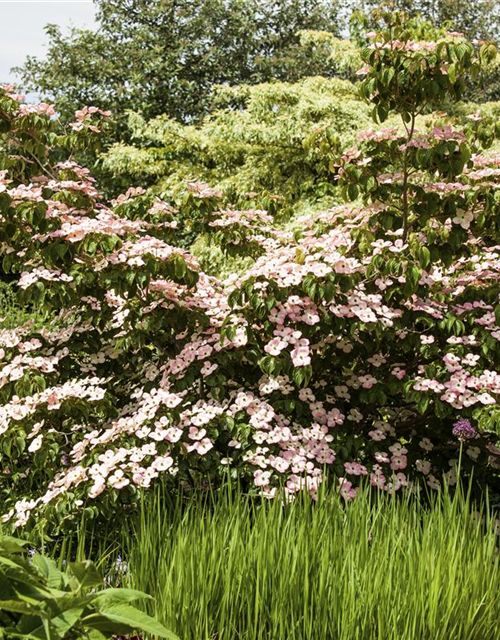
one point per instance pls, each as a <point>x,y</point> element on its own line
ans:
<point>463,430</point>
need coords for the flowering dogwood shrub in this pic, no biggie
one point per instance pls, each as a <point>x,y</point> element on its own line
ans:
<point>352,349</point>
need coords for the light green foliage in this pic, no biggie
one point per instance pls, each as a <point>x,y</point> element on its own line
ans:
<point>214,260</point>
<point>487,87</point>
<point>14,314</point>
<point>343,55</point>
<point>380,567</point>
<point>11,314</point>
<point>489,112</point>
<point>40,602</point>
<point>274,139</point>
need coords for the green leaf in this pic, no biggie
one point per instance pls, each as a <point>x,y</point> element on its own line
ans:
<point>452,73</point>
<point>18,606</point>
<point>95,634</point>
<point>116,596</point>
<point>298,376</point>
<point>66,620</point>
<point>7,262</point>
<point>424,257</point>
<point>180,267</point>
<point>9,545</point>
<point>268,364</point>
<point>125,616</point>
<point>86,574</point>
<point>38,627</point>
<point>47,567</point>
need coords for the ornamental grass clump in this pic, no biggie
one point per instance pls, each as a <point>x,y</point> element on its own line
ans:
<point>346,351</point>
<point>233,566</point>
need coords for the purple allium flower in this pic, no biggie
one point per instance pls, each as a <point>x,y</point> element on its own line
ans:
<point>463,430</point>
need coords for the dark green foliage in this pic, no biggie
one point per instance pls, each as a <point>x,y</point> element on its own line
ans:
<point>164,56</point>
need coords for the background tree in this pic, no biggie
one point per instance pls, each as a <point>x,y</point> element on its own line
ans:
<point>274,151</point>
<point>164,56</point>
<point>476,20</point>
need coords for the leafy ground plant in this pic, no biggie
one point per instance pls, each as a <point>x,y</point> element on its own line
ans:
<point>40,602</point>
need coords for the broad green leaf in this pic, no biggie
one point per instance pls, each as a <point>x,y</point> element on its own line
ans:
<point>18,606</point>
<point>67,620</point>
<point>115,596</point>
<point>12,545</point>
<point>37,627</point>
<point>48,568</point>
<point>95,634</point>
<point>86,573</point>
<point>129,617</point>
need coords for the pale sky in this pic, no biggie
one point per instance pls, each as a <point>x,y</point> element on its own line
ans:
<point>22,27</point>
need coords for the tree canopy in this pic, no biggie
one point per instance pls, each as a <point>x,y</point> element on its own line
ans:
<point>280,141</point>
<point>165,56</point>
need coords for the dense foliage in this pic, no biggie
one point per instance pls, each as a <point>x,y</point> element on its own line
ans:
<point>271,145</point>
<point>275,150</point>
<point>165,56</point>
<point>366,344</point>
<point>478,19</point>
